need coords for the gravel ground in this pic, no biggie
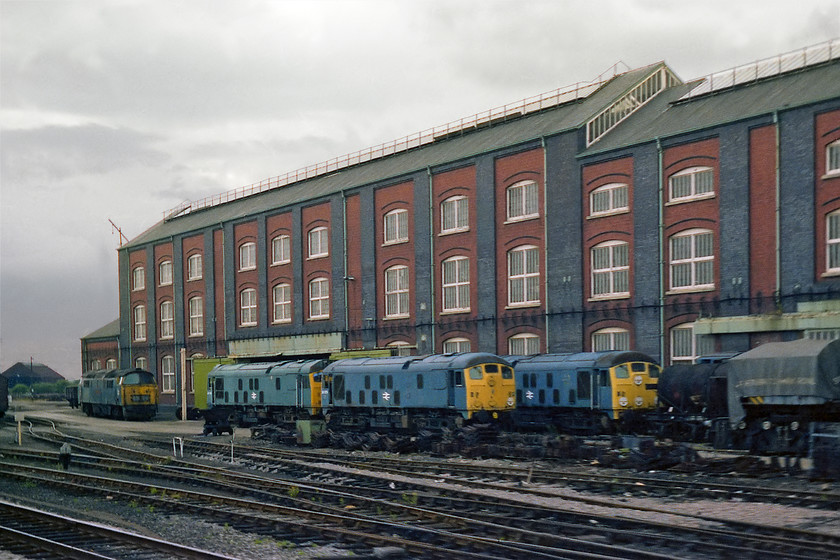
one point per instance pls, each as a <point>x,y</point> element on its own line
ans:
<point>226,540</point>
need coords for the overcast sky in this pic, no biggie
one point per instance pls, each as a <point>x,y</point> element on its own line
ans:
<point>122,110</point>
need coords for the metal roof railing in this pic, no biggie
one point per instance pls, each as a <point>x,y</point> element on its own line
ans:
<point>788,62</point>
<point>532,104</point>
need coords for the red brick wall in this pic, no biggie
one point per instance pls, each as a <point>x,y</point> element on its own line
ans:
<point>354,269</point>
<point>528,319</point>
<point>762,215</point>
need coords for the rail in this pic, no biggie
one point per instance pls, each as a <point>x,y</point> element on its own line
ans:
<point>768,67</point>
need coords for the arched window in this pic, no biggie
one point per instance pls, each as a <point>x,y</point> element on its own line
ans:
<point>111,363</point>
<point>610,339</point>
<point>396,226</point>
<point>396,291</point>
<point>523,201</point>
<point>523,344</point>
<point>165,271</point>
<point>140,323</point>
<point>167,319</point>
<point>319,245</point>
<point>610,269</point>
<point>319,298</point>
<point>692,259</point>
<point>282,298</point>
<point>523,275</point>
<point>455,280</point>
<point>281,249</point>
<point>690,183</point>
<point>609,199</point>
<point>138,278</point>
<point>686,346</point>
<point>248,307</point>
<point>248,256</point>
<point>832,158</point>
<point>140,362</point>
<point>401,348</point>
<point>167,374</point>
<point>194,271</point>
<point>454,215</point>
<point>832,242</point>
<point>95,365</point>
<point>454,345</point>
<point>196,316</point>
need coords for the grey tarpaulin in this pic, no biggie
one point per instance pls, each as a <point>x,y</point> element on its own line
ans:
<point>800,372</point>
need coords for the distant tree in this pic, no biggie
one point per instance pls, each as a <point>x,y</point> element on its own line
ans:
<point>43,388</point>
<point>19,389</point>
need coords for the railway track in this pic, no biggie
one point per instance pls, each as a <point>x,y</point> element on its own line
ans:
<point>33,533</point>
<point>422,511</point>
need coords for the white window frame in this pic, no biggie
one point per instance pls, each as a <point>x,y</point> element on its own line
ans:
<point>248,307</point>
<point>679,349</point>
<point>111,363</point>
<point>319,299</point>
<point>609,264</point>
<point>248,256</point>
<point>167,374</point>
<point>612,338</point>
<point>395,227</point>
<point>165,271</point>
<point>196,308</point>
<point>396,292</point>
<point>403,348</point>
<point>455,283</point>
<point>138,279</point>
<point>524,277</point>
<point>167,320</point>
<point>281,249</point>
<point>832,158</point>
<point>281,297</point>
<point>95,365</point>
<point>692,174</point>
<point>832,243</point>
<point>686,272</point>
<point>524,344</point>
<point>456,345</point>
<point>194,267</point>
<point>454,215</point>
<point>523,201</point>
<point>616,197</point>
<point>140,323</point>
<point>319,243</point>
<point>140,362</point>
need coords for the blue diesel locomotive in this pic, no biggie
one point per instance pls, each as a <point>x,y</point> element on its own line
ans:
<point>584,393</point>
<point>248,394</point>
<point>129,394</point>
<point>413,393</point>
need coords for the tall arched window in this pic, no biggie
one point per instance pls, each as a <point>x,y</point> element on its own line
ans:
<point>167,319</point>
<point>167,374</point>
<point>833,242</point>
<point>396,291</point>
<point>319,298</point>
<point>196,316</point>
<point>455,273</point>
<point>523,201</point>
<point>282,297</point>
<point>396,226</point>
<point>140,323</point>
<point>319,245</point>
<point>281,249</point>
<point>248,256</point>
<point>454,215</point>
<point>194,271</point>
<point>248,307</point>
<point>138,278</point>
<point>610,264</point>
<point>692,259</point>
<point>523,275</point>
<point>690,183</point>
<point>454,345</point>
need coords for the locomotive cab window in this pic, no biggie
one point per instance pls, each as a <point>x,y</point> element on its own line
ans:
<point>584,386</point>
<point>277,383</point>
<point>491,368</point>
<point>507,373</point>
<point>338,387</point>
<point>621,372</point>
<point>476,373</point>
<point>457,377</point>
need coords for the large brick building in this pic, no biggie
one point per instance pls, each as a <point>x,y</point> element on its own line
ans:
<point>639,212</point>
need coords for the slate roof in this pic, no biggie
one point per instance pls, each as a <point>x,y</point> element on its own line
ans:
<point>111,330</point>
<point>31,373</point>
<point>531,127</point>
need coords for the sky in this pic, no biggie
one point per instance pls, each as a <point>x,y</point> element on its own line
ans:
<point>119,110</point>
